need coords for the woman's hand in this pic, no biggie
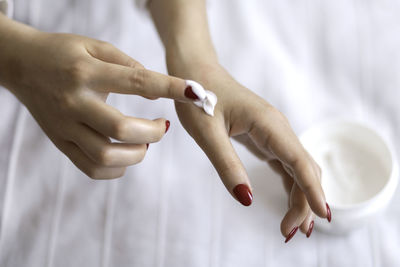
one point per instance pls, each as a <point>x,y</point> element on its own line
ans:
<point>64,81</point>
<point>264,130</point>
<point>239,113</point>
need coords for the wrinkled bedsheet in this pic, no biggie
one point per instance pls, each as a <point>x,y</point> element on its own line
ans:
<point>314,60</point>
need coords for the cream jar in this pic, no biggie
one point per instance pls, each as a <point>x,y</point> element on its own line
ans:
<point>359,172</point>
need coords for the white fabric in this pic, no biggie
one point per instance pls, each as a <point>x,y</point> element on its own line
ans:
<point>141,3</point>
<point>3,6</point>
<point>6,7</point>
<point>314,60</point>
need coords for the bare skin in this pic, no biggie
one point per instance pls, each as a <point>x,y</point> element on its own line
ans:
<point>240,114</point>
<point>64,81</point>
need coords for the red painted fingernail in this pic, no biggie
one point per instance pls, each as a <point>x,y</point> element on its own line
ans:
<point>147,146</point>
<point>190,94</point>
<point>329,214</point>
<point>291,234</point>
<point>167,123</point>
<point>310,229</point>
<point>243,194</point>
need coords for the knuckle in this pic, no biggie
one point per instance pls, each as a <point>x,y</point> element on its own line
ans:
<point>277,114</point>
<point>138,79</point>
<point>272,110</point>
<point>170,87</point>
<point>67,102</point>
<point>300,165</point>
<point>299,161</point>
<point>103,45</point>
<point>107,45</point>
<point>78,72</point>
<point>133,64</point>
<point>120,130</point>
<point>104,156</point>
<point>294,161</point>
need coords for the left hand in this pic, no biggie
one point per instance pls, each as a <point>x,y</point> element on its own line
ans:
<point>264,130</point>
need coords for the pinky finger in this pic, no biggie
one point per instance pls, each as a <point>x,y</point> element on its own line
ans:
<point>296,214</point>
<point>89,167</point>
<point>308,224</point>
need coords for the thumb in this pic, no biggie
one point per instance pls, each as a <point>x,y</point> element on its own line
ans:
<point>217,146</point>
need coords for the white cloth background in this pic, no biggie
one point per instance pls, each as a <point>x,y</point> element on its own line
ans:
<point>314,60</point>
<point>6,7</point>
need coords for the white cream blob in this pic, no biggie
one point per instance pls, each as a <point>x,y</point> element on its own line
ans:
<point>351,172</point>
<point>207,99</point>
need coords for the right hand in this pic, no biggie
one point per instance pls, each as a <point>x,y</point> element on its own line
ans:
<point>64,81</point>
<point>265,131</point>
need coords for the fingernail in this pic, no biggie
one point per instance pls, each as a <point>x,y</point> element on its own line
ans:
<point>167,123</point>
<point>243,194</point>
<point>291,234</point>
<point>147,146</point>
<point>310,229</point>
<point>329,214</point>
<point>190,94</point>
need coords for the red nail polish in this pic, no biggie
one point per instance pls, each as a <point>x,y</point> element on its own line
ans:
<point>310,229</point>
<point>243,194</point>
<point>167,123</point>
<point>291,234</point>
<point>329,214</point>
<point>190,94</point>
<point>147,146</point>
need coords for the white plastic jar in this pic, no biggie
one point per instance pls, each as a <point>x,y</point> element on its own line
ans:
<point>359,172</point>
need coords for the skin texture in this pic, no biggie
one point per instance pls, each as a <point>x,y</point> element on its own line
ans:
<point>239,114</point>
<point>64,81</point>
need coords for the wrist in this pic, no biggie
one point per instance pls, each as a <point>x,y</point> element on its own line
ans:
<point>183,29</point>
<point>184,59</point>
<point>15,39</point>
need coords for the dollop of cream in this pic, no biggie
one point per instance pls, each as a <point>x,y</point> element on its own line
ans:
<point>352,172</point>
<point>207,99</point>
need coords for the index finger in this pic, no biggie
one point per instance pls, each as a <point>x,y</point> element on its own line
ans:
<point>140,81</point>
<point>216,144</point>
<point>221,153</point>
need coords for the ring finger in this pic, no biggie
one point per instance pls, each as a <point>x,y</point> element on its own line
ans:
<point>105,153</point>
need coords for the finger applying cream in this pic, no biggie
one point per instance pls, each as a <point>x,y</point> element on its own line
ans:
<point>203,98</point>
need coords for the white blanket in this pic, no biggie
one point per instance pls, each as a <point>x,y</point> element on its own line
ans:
<point>314,60</point>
